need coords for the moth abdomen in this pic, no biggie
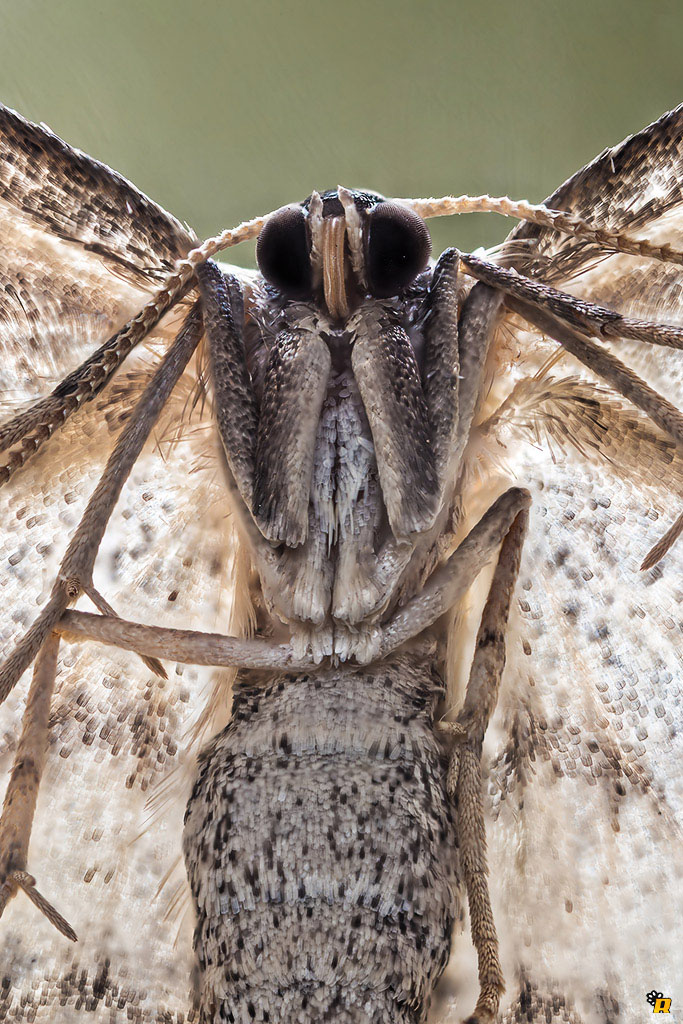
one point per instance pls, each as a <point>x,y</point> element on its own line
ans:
<point>321,849</point>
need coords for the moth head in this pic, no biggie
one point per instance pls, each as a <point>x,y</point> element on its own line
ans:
<point>341,247</point>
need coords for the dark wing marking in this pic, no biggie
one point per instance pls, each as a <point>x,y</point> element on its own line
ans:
<point>74,198</point>
<point>80,248</point>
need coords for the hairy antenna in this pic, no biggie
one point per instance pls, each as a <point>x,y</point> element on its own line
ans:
<point>543,216</point>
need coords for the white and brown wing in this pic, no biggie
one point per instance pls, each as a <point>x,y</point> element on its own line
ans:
<point>584,777</point>
<point>81,250</point>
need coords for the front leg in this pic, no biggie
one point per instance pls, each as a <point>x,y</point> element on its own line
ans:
<point>235,405</point>
<point>295,385</point>
<point>249,448</point>
<point>570,321</point>
<point>388,378</point>
<point>456,345</point>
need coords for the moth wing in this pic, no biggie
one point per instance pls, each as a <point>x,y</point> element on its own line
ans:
<point>81,252</point>
<point>583,779</point>
<point>635,187</point>
<point>583,760</point>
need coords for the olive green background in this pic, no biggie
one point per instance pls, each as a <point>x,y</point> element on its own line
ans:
<point>222,109</point>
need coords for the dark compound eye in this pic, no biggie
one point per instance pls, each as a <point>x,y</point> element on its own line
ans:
<point>283,253</point>
<point>398,248</point>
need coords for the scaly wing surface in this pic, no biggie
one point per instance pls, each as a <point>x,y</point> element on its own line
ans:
<point>80,252</point>
<point>585,754</point>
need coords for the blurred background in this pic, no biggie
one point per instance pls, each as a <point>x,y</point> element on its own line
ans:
<point>221,110</point>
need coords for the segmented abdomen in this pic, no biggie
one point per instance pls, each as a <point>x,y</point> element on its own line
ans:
<point>321,850</point>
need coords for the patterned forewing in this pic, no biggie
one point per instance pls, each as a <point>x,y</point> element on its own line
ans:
<point>635,187</point>
<point>81,251</point>
<point>584,770</point>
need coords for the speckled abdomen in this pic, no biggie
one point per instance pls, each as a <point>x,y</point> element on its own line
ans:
<point>321,850</point>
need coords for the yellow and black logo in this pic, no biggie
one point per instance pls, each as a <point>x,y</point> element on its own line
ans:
<point>659,1002</point>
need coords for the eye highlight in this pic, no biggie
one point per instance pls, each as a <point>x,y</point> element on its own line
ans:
<point>283,253</point>
<point>398,246</point>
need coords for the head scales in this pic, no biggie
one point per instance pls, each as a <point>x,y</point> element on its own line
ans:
<point>446,206</point>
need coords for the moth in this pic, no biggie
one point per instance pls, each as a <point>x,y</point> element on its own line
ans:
<point>382,551</point>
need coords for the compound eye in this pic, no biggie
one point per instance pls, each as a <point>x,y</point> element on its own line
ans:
<point>397,248</point>
<point>283,253</point>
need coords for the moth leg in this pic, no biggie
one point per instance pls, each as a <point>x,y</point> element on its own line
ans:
<point>235,404</point>
<point>464,771</point>
<point>619,376</point>
<point>103,606</point>
<point>663,545</point>
<point>456,345</point>
<point>448,584</point>
<point>273,479</point>
<point>77,564</point>
<point>585,315</point>
<point>185,645</point>
<point>441,370</point>
<point>294,389</point>
<point>558,315</point>
<point>22,792</point>
<point>385,368</point>
<point>243,446</point>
